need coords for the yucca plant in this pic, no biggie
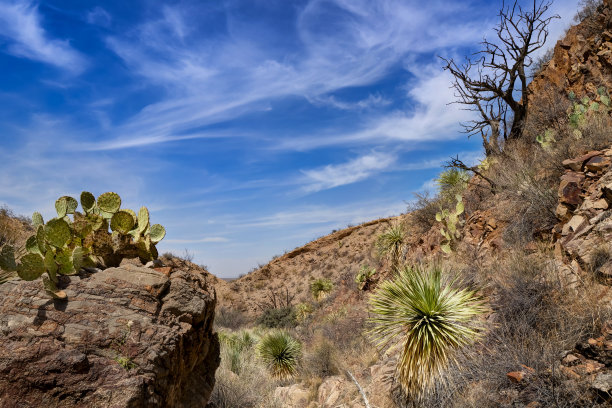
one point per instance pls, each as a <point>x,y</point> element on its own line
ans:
<point>281,353</point>
<point>390,244</point>
<point>321,288</point>
<point>452,181</point>
<point>430,318</point>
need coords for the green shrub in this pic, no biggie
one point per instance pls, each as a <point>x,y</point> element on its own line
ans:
<point>281,354</point>
<point>284,317</point>
<point>431,317</point>
<point>321,288</point>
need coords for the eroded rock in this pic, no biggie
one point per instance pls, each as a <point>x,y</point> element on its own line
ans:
<point>127,337</point>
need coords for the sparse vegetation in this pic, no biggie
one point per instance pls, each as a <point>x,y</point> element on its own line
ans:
<point>283,317</point>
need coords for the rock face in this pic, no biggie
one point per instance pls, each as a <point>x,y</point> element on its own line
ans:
<point>127,337</point>
<point>585,202</point>
<point>582,60</point>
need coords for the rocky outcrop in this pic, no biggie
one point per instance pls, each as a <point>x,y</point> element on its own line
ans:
<point>584,231</point>
<point>127,337</point>
<point>582,60</point>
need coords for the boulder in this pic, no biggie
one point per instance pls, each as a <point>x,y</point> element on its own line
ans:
<point>126,337</point>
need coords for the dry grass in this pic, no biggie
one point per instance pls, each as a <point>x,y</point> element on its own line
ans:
<point>535,320</point>
<point>14,230</point>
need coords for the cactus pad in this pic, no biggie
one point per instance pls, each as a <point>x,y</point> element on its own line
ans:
<point>31,267</point>
<point>7,258</point>
<point>64,260</point>
<point>109,202</point>
<point>122,221</point>
<point>50,264</point>
<point>57,232</point>
<point>158,232</point>
<point>32,245</point>
<point>106,215</point>
<point>88,201</point>
<point>37,219</point>
<point>51,289</point>
<point>132,213</point>
<point>61,206</point>
<point>143,219</point>
<point>77,259</point>
<point>71,204</point>
<point>40,239</point>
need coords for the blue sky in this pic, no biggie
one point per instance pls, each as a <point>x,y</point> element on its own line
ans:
<point>247,127</point>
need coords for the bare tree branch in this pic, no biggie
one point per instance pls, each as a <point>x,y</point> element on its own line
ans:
<point>493,81</point>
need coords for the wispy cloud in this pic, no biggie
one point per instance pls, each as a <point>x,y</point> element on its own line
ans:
<point>372,101</point>
<point>20,22</point>
<point>98,16</point>
<point>212,80</point>
<point>335,175</point>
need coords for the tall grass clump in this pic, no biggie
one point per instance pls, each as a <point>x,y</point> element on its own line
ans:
<point>281,354</point>
<point>429,318</point>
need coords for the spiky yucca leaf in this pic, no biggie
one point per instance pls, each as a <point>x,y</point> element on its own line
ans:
<point>390,244</point>
<point>429,318</point>
<point>281,353</point>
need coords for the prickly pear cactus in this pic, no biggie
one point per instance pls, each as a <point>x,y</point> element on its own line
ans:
<point>64,245</point>
<point>451,224</point>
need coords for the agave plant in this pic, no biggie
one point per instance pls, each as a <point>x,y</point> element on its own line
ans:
<point>429,318</point>
<point>390,244</point>
<point>321,288</point>
<point>281,353</point>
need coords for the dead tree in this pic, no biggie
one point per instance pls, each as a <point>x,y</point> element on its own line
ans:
<point>493,81</point>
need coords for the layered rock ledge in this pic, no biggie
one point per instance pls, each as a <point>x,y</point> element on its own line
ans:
<point>127,337</point>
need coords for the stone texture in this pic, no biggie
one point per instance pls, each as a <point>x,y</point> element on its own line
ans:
<point>68,354</point>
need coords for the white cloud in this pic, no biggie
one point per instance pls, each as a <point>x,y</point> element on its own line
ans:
<point>21,23</point>
<point>212,79</point>
<point>350,172</point>
<point>431,119</point>
<point>372,101</point>
<point>98,16</point>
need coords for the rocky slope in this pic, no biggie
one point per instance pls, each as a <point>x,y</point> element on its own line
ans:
<point>127,337</point>
<point>337,257</point>
<point>582,60</point>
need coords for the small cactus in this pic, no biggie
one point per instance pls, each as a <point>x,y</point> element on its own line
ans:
<point>451,223</point>
<point>64,245</point>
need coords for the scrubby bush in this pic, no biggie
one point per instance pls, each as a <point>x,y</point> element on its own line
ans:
<point>281,353</point>
<point>320,360</point>
<point>284,317</point>
<point>321,288</point>
<point>229,318</point>
<point>432,317</point>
